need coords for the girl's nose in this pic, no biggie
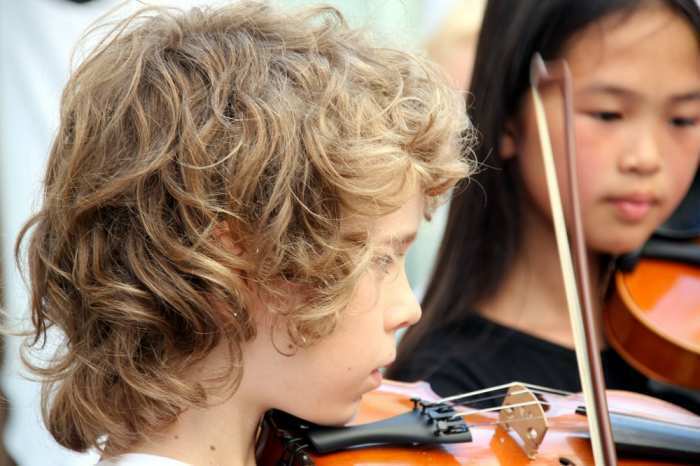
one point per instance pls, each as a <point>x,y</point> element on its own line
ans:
<point>644,154</point>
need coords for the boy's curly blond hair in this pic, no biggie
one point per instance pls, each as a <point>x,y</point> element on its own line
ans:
<point>270,127</point>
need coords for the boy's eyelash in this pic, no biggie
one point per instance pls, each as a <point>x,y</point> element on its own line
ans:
<point>383,261</point>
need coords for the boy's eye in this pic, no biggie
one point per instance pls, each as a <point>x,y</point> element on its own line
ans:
<point>383,262</point>
<point>684,121</point>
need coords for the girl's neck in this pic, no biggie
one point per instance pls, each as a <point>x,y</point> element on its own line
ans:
<point>532,297</point>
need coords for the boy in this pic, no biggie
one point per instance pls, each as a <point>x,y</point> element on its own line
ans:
<point>227,207</point>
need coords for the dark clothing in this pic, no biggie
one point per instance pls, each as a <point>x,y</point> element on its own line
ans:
<point>479,353</point>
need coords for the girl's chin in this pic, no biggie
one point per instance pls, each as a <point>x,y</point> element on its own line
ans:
<point>624,244</point>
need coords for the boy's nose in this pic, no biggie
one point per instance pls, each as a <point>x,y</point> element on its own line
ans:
<point>405,309</point>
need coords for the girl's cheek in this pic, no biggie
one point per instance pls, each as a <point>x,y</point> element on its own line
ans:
<point>595,149</point>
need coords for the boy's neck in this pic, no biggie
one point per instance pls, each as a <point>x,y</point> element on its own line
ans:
<point>222,434</point>
<point>532,297</point>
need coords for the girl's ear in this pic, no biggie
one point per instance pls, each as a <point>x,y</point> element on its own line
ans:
<point>508,144</point>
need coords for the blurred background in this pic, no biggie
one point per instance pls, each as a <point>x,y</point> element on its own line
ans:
<point>36,42</point>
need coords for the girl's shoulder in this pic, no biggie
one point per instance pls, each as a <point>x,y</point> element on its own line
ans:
<point>140,459</point>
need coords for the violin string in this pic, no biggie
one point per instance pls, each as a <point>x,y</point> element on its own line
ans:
<point>552,403</point>
<point>510,421</point>
<point>499,396</point>
<point>546,390</point>
<point>300,449</point>
<point>464,414</point>
<point>463,395</point>
<point>550,392</point>
<point>487,398</point>
<point>532,387</point>
<point>493,397</point>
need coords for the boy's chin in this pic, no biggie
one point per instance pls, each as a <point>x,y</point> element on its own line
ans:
<point>345,417</point>
<point>338,416</point>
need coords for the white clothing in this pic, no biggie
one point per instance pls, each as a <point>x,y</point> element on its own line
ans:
<point>139,459</point>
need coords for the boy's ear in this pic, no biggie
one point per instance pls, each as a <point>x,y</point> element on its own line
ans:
<point>508,146</point>
<point>222,233</point>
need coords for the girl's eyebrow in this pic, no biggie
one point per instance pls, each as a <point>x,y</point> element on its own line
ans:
<point>632,94</point>
<point>610,89</point>
<point>688,96</point>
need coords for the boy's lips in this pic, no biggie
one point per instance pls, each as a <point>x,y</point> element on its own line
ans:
<point>376,377</point>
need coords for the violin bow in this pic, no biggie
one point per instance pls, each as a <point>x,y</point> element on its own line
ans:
<point>582,317</point>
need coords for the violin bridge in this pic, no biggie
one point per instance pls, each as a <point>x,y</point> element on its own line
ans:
<point>523,413</point>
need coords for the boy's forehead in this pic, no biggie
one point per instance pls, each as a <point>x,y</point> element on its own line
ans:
<point>396,236</point>
<point>356,224</point>
<point>397,226</point>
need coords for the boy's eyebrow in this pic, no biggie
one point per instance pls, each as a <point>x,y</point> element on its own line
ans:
<point>629,93</point>
<point>399,243</point>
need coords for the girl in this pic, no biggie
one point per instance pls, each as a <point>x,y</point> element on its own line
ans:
<point>495,311</point>
<point>218,236</point>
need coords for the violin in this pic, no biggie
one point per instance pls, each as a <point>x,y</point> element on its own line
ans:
<point>653,316</point>
<point>408,424</point>
<point>534,426</point>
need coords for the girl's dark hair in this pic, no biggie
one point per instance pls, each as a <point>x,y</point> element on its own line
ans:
<point>482,233</point>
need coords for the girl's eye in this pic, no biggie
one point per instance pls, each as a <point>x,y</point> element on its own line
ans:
<point>383,262</point>
<point>682,122</point>
<point>606,116</point>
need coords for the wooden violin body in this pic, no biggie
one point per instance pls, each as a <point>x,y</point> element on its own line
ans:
<point>653,316</point>
<point>565,443</point>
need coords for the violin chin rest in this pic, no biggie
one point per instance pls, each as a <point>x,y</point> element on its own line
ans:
<point>424,425</point>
